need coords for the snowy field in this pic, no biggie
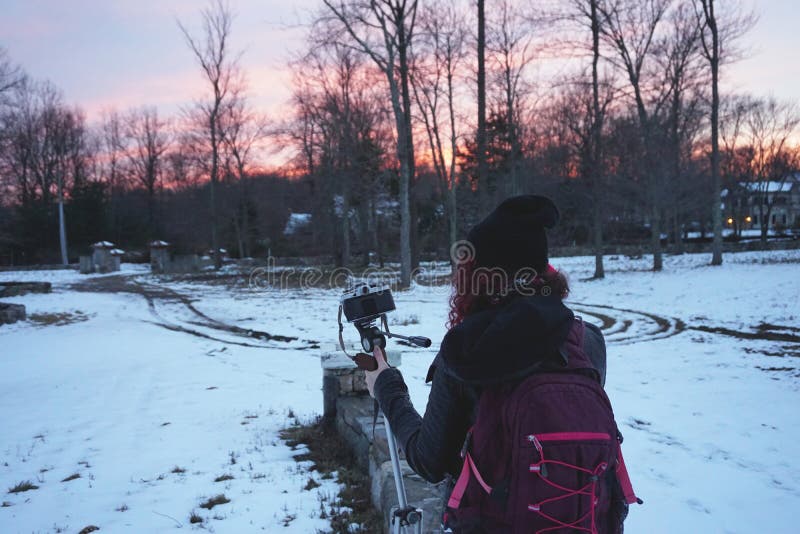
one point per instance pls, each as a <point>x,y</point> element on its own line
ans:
<point>154,393</point>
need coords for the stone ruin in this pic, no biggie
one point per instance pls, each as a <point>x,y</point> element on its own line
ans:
<point>16,289</point>
<point>11,313</point>
<point>161,261</point>
<point>105,258</point>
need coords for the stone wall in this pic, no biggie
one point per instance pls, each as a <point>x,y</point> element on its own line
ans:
<point>16,289</point>
<point>347,403</point>
<point>11,313</point>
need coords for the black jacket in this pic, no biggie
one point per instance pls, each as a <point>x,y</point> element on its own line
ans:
<point>496,346</point>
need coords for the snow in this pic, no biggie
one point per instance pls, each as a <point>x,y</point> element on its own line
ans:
<point>710,420</point>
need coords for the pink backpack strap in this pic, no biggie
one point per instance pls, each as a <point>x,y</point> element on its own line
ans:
<point>463,480</point>
<point>625,481</point>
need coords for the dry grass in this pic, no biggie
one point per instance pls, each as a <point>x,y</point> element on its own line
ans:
<point>58,319</point>
<point>25,485</point>
<point>329,454</point>
<point>210,503</point>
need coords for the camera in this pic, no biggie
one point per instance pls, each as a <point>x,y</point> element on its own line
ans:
<point>365,305</point>
<point>366,302</point>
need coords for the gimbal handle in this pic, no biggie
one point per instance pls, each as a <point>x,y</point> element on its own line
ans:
<point>419,341</point>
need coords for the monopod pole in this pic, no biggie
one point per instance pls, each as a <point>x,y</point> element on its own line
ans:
<point>404,518</point>
<point>399,485</point>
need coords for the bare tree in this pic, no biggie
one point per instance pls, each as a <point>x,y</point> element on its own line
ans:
<point>384,30</point>
<point>10,76</point>
<point>439,54</point>
<point>510,43</point>
<point>111,143</point>
<point>37,144</point>
<point>56,138</point>
<point>19,143</point>
<point>630,28</point>
<point>718,36</point>
<point>596,151</point>
<point>147,140</point>
<point>181,169</point>
<point>586,15</point>
<point>220,68</point>
<point>244,130</point>
<point>481,155</point>
<point>678,56</point>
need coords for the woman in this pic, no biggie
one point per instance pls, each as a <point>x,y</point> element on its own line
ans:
<point>507,322</point>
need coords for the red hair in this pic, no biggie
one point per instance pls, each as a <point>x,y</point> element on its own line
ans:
<point>473,293</point>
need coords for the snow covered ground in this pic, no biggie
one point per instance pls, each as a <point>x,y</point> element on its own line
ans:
<point>151,389</point>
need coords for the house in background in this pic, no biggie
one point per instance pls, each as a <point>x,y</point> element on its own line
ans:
<point>748,205</point>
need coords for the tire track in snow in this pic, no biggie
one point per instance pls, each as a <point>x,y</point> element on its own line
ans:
<point>176,312</point>
<point>622,326</point>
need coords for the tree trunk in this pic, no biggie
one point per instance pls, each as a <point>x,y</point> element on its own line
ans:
<point>377,241</point>
<point>655,238</point>
<point>212,192</point>
<point>452,181</point>
<point>237,227</point>
<point>596,151</point>
<point>364,219</point>
<point>676,228</point>
<point>245,229</point>
<point>62,231</point>
<point>405,181</point>
<point>599,271</point>
<point>483,174</point>
<point>345,230</point>
<point>452,214</point>
<point>716,209</point>
<point>408,182</point>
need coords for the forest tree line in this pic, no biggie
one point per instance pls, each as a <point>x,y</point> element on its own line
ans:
<point>409,121</point>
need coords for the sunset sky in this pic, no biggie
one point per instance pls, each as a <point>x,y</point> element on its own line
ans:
<point>124,53</point>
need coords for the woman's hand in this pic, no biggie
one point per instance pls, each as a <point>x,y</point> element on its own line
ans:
<point>372,376</point>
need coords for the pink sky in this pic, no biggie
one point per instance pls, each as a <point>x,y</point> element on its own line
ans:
<point>106,54</point>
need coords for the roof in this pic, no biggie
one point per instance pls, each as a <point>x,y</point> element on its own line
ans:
<point>768,187</point>
<point>159,244</point>
<point>103,244</point>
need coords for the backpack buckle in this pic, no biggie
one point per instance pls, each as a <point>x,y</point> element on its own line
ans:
<point>465,447</point>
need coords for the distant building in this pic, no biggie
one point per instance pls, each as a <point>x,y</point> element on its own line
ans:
<point>298,223</point>
<point>745,204</point>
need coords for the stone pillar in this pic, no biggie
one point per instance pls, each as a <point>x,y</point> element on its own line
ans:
<point>115,257</point>
<point>349,407</point>
<point>159,256</point>
<point>341,378</point>
<point>101,256</point>
<point>86,265</point>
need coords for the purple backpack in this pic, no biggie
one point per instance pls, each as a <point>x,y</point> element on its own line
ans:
<point>544,456</point>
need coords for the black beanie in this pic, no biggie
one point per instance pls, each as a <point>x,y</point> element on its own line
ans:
<point>513,236</point>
